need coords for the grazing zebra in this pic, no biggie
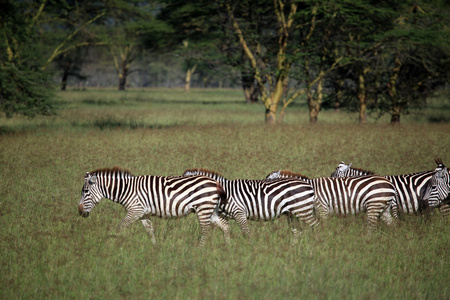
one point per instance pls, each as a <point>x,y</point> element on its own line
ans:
<point>410,187</point>
<point>264,200</point>
<point>350,195</point>
<point>438,188</point>
<point>145,196</point>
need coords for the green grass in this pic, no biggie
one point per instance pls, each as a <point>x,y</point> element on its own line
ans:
<point>48,251</point>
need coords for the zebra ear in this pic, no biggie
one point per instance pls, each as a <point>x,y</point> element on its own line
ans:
<point>349,165</point>
<point>441,173</point>
<point>93,179</point>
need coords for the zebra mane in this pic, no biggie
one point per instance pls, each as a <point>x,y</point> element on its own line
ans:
<point>112,172</point>
<point>439,161</point>
<point>286,174</point>
<point>363,171</point>
<point>205,172</point>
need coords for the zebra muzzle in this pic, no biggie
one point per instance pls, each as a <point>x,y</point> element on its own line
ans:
<point>81,211</point>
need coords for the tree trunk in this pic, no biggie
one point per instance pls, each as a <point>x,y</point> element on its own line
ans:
<point>396,107</point>
<point>64,79</point>
<point>314,112</point>
<point>271,115</point>
<point>338,100</point>
<point>251,90</point>
<point>313,107</point>
<point>187,82</point>
<point>362,97</point>
<point>315,101</point>
<point>123,76</point>
<point>395,115</point>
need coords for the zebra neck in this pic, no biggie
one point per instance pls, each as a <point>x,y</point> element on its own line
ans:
<point>117,189</point>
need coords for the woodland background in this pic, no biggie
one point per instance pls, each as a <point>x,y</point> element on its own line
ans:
<point>373,58</point>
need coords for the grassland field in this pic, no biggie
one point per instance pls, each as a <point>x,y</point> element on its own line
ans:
<point>47,251</point>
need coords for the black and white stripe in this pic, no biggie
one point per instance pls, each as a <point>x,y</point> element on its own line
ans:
<point>410,187</point>
<point>264,200</point>
<point>350,196</point>
<point>438,188</point>
<point>145,196</point>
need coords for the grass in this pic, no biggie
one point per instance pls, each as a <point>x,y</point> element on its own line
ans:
<point>48,251</point>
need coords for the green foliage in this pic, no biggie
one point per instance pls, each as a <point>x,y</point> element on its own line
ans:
<point>24,88</point>
<point>48,251</point>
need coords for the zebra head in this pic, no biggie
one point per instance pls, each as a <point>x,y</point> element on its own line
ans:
<point>274,175</point>
<point>342,170</point>
<point>438,187</point>
<point>191,172</point>
<point>90,195</point>
<point>284,174</point>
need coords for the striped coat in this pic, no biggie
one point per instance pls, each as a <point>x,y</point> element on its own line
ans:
<point>264,200</point>
<point>350,196</point>
<point>410,187</point>
<point>145,196</point>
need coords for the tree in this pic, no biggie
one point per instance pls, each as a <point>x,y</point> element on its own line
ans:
<point>397,54</point>
<point>417,59</point>
<point>274,38</point>
<point>126,25</point>
<point>195,35</point>
<point>24,87</point>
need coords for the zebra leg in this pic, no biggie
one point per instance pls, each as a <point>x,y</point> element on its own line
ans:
<point>241,219</point>
<point>204,218</point>
<point>444,209</point>
<point>373,214</point>
<point>296,230</point>
<point>222,223</point>
<point>205,227</point>
<point>322,210</point>
<point>387,218</point>
<point>132,216</point>
<point>394,209</point>
<point>148,225</point>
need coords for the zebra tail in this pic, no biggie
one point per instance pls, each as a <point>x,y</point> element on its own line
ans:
<point>223,196</point>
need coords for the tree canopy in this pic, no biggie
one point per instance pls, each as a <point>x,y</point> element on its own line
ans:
<point>369,56</point>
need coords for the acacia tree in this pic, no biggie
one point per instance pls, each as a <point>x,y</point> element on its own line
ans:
<point>417,56</point>
<point>24,87</point>
<point>276,72</point>
<point>275,45</point>
<point>398,55</point>
<point>128,28</point>
<point>195,35</point>
<point>365,22</point>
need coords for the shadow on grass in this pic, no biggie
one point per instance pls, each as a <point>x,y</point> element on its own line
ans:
<point>100,102</point>
<point>19,129</point>
<point>110,122</point>
<point>439,119</point>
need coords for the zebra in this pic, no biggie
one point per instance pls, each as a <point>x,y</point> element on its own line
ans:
<point>350,195</point>
<point>438,188</point>
<point>410,187</point>
<point>145,196</point>
<point>264,200</point>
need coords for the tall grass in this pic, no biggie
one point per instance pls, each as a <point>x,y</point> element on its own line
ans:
<point>48,251</point>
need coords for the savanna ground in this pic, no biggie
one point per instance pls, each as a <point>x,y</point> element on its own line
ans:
<point>48,251</point>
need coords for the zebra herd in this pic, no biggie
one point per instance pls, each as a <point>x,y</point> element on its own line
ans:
<point>215,199</point>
